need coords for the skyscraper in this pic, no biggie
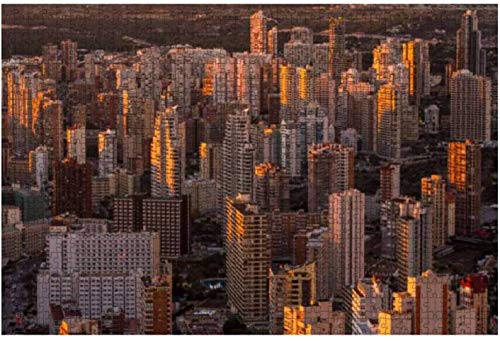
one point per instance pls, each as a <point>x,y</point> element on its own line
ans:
<point>391,102</point>
<point>389,181</point>
<point>416,58</point>
<point>474,294</point>
<point>258,32</point>
<point>108,152</point>
<point>317,319</point>
<point>330,170</point>
<point>290,287</point>
<point>469,44</point>
<point>157,308</point>
<point>272,41</point>
<point>75,138</point>
<point>346,216</point>
<point>41,166</point>
<point>430,293</point>
<point>470,106</point>
<point>69,60</point>
<point>464,181</point>
<point>169,217</point>
<point>336,59</point>
<point>237,155</point>
<point>433,193</point>
<point>413,241</point>
<point>248,257</point>
<point>166,155</point>
<point>73,188</point>
<point>271,187</point>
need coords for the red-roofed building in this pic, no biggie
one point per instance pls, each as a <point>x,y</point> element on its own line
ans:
<point>474,294</point>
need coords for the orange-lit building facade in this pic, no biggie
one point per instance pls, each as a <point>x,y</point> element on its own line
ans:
<point>464,181</point>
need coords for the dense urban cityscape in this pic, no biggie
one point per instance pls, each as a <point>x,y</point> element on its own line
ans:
<point>227,169</point>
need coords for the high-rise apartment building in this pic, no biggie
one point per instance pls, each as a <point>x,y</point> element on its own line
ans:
<point>346,216</point>
<point>391,101</point>
<point>210,161</point>
<point>394,323</point>
<point>75,138</point>
<point>290,287</point>
<point>433,194</point>
<point>317,319</point>
<point>389,181</point>
<point>384,55</point>
<point>356,108</point>
<point>94,251</point>
<point>258,32</point>
<point>108,152</point>
<point>415,56</point>
<point>330,170</point>
<point>468,53</point>
<point>40,166</point>
<point>430,293</point>
<point>248,258</point>
<point>69,60</point>
<point>169,217</point>
<point>271,187</point>
<point>166,155</point>
<point>413,239</point>
<point>73,188</point>
<point>470,106</point>
<point>464,181</point>
<point>272,41</point>
<point>336,59</point>
<point>21,118</point>
<point>237,155</point>
<point>474,294</point>
<point>157,308</point>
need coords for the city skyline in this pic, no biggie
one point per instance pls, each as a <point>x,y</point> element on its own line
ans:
<point>249,169</point>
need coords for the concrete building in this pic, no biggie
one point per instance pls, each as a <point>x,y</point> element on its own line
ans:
<point>415,55</point>
<point>237,156</point>
<point>33,203</point>
<point>433,194</point>
<point>431,119</point>
<point>258,33</point>
<point>108,152</point>
<point>463,321</point>
<point>41,166</point>
<point>201,193</point>
<point>346,216</point>
<point>330,170</point>
<point>368,297</point>
<point>98,252</point>
<point>170,219</point>
<point>468,52</point>
<point>470,106</point>
<point>389,181</point>
<point>156,305</point>
<point>73,188</point>
<point>248,258</point>
<point>271,188</point>
<point>413,240</point>
<point>76,145</point>
<point>431,308</point>
<point>336,58</point>
<point>290,287</point>
<point>317,319</point>
<point>464,181</point>
<point>11,243</point>
<point>391,101</point>
<point>473,293</point>
<point>167,157</point>
<point>394,323</point>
